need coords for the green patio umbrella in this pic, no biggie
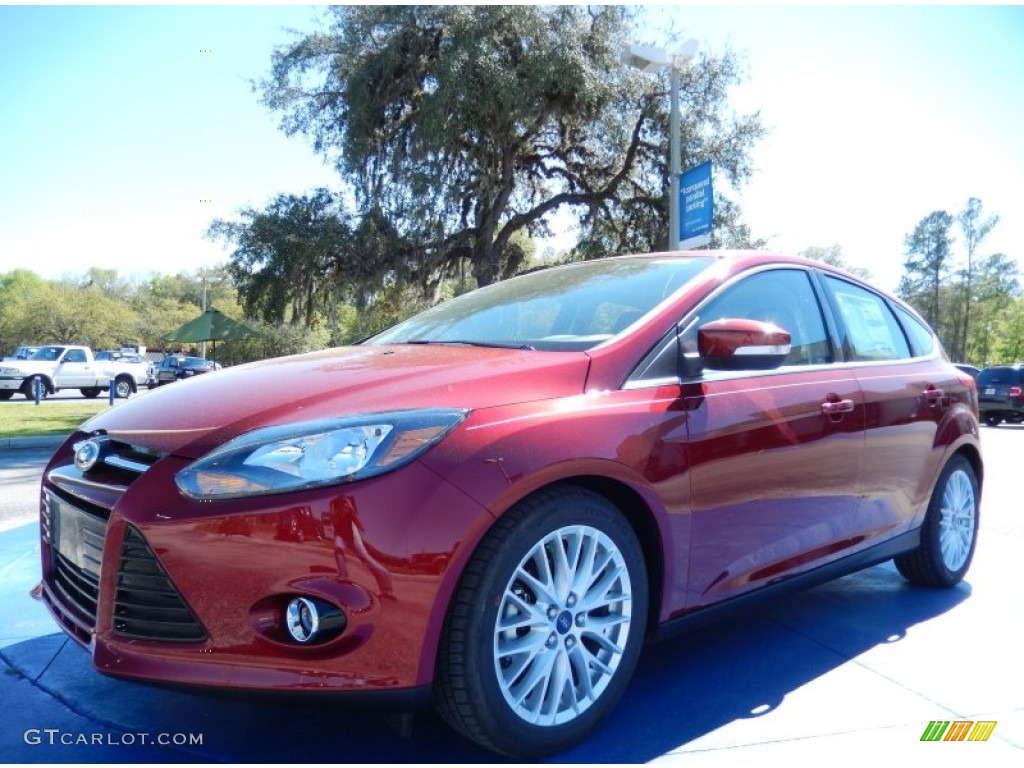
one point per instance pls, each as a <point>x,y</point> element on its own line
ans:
<point>213,325</point>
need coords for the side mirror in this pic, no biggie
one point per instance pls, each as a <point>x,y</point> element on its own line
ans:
<point>735,344</point>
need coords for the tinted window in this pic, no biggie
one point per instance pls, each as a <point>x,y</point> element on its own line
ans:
<point>49,354</point>
<point>920,335</point>
<point>75,356</point>
<point>872,332</point>
<point>784,297</point>
<point>1000,376</point>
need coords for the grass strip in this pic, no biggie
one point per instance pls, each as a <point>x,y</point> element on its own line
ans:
<point>56,418</point>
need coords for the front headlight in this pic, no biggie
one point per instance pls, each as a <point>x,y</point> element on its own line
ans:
<point>315,453</point>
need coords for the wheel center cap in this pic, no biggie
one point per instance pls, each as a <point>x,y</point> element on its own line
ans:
<point>564,622</point>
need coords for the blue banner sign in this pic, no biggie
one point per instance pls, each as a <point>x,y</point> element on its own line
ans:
<point>696,206</point>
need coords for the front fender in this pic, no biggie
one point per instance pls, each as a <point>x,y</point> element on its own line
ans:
<point>628,445</point>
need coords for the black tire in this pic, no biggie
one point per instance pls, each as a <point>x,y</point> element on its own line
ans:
<point>123,387</point>
<point>992,421</point>
<point>90,392</point>
<point>28,389</point>
<point>476,684</point>
<point>949,533</point>
<point>6,394</point>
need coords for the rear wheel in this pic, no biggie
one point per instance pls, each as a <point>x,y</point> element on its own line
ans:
<point>545,628</point>
<point>950,530</point>
<point>123,387</point>
<point>90,392</point>
<point>6,394</point>
<point>992,421</point>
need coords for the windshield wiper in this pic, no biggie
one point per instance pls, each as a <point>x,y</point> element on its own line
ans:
<point>487,344</point>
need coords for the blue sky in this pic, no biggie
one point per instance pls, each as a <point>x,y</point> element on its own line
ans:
<point>122,138</point>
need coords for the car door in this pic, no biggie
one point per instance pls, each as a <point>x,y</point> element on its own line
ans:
<point>775,457</point>
<point>908,391</point>
<point>168,370</point>
<point>75,370</point>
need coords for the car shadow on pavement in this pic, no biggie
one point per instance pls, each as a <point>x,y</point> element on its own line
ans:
<point>746,666</point>
<point>683,689</point>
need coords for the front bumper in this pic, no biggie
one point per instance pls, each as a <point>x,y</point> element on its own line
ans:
<point>163,589</point>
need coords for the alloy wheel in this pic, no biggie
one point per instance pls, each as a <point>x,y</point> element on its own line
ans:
<point>562,625</point>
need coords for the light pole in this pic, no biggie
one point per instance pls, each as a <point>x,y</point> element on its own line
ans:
<point>203,277</point>
<point>650,59</point>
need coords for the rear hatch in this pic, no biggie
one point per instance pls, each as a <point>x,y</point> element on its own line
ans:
<point>1000,385</point>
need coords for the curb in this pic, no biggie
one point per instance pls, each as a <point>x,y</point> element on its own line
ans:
<point>51,442</point>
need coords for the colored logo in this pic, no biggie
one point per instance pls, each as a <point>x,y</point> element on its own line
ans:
<point>564,622</point>
<point>958,730</point>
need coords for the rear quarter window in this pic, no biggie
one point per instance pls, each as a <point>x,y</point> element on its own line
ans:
<point>922,342</point>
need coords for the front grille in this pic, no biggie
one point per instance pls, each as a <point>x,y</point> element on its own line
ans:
<point>77,552</point>
<point>77,588</point>
<point>147,605</point>
<point>130,457</point>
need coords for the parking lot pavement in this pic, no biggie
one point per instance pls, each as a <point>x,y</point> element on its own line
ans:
<point>852,670</point>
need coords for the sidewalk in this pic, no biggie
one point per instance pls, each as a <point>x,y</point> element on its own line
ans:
<point>48,442</point>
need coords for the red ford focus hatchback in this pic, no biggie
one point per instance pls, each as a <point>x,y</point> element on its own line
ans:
<point>495,503</point>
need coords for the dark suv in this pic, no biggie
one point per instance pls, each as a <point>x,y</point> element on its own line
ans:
<point>1001,394</point>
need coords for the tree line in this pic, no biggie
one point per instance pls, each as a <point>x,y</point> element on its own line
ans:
<point>973,300</point>
<point>104,310</point>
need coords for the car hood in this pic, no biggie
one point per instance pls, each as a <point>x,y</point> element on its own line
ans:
<point>193,416</point>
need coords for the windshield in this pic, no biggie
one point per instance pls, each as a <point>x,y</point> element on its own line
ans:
<point>49,354</point>
<point>573,307</point>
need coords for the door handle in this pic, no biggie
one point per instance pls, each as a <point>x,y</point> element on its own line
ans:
<point>836,407</point>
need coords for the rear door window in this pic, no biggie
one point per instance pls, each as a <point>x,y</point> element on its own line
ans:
<point>871,330</point>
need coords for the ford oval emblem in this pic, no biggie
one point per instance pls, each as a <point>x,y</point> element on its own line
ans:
<point>87,454</point>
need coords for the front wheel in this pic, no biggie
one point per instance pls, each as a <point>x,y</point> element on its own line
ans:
<point>992,421</point>
<point>90,392</point>
<point>28,389</point>
<point>949,532</point>
<point>546,625</point>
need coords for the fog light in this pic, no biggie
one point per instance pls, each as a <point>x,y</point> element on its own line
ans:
<point>309,620</point>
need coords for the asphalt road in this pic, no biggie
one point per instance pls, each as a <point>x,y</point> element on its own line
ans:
<point>20,472</point>
<point>63,396</point>
<point>851,672</point>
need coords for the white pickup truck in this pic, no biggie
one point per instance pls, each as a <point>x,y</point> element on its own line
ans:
<point>69,366</point>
